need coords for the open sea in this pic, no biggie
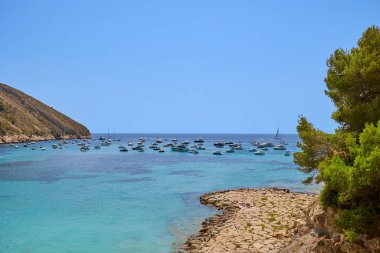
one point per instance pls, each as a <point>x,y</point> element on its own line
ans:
<point>107,201</point>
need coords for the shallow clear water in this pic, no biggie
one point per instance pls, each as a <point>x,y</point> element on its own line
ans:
<point>109,201</point>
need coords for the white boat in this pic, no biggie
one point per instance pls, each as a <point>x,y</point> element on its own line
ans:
<point>201,147</point>
<point>43,148</point>
<point>180,148</point>
<point>219,144</point>
<point>265,145</point>
<point>84,148</point>
<point>279,147</point>
<point>230,150</point>
<point>260,152</point>
<point>130,143</point>
<point>55,146</point>
<point>254,143</point>
<point>124,149</point>
<point>193,151</point>
<point>218,152</point>
<point>199,140</point>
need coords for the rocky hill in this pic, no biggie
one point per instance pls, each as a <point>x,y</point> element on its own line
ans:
<point>23,118</point>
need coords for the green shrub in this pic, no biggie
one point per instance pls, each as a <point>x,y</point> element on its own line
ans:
<point>348,161</point>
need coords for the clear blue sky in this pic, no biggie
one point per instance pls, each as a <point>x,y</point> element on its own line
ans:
<point>180,66</point>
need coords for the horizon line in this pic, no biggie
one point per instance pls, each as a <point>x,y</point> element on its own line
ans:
<point>186,133</point>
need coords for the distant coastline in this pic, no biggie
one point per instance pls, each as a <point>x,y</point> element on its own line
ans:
<point>20,138</point>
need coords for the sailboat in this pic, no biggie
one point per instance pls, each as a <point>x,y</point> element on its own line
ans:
<point>277,136</point>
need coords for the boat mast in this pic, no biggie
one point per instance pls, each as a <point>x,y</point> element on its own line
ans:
<point>277,136</point>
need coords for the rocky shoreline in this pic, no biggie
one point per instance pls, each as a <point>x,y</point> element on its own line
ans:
<point>252,220</point>
<point>270,221</point>
<point>19,138</point>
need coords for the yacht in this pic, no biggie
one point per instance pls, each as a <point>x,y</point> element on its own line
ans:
<point>193,151</point>
<point>218,152</point>
<point>84,148</point>
<point>279,147</point>
<point>265,145</point>
<point>42,148</point>
<point>199,140</point>
<point>201,147</point>
<point>180,148</point>
<point>230,150</point>
<point>124,149</point>
<point>161,151</point>
<point>130,143</point>
<point>219,144</point>
<point>98,147</point>
<point>158,140</point>
<point>55,146</point>
<point>260,152</point>
<point>252,150</point>
<point>255,143</point>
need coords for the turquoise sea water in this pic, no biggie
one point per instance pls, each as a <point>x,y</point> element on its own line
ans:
<point>64,200</point>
